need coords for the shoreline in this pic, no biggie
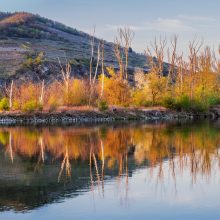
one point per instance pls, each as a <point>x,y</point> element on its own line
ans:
<point>95,116</point>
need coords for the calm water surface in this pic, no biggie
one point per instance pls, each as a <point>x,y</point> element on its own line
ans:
<point>119,171</point>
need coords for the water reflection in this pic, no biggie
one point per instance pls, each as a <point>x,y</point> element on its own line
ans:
<point>46,165</point>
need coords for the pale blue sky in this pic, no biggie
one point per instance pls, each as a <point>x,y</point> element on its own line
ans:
<point>186,18</point>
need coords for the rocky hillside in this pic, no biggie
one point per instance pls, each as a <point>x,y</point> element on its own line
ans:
<point>30,46</point>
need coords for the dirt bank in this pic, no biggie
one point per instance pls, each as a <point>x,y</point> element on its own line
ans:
<point>76,115</point>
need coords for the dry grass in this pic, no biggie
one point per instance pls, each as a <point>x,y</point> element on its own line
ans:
<point>75,108</point>
<point>16,18</point>
<point>86,109</point>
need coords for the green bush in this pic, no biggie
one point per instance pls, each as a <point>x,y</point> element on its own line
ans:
<point>33,60</point>
<point>199,106</point>
<point>102,105</point>
<point>30,106</point>
<point>213,100</point>
<point>184,103</point>
<point>4,104</point>
<point>169,102</point>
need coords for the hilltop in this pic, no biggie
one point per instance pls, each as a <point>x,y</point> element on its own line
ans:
<point>25,38</point>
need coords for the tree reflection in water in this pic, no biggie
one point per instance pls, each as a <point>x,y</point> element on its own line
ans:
<point>84,157</point>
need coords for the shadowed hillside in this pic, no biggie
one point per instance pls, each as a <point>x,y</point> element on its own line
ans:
<point>23,36</point>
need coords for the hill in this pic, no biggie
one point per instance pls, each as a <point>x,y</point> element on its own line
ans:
<point>27,40</point>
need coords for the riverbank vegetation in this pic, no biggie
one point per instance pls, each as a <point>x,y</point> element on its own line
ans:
<point>174,80</point>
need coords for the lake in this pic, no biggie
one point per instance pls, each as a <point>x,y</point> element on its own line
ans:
<point>111,171</point>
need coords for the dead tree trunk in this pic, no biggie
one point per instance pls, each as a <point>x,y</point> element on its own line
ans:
<point>97,64</point>
<point>41,99</point>
<point>11,94</point>
<point>92,43</point>
<point>103,72</point>
<point>66,73</point>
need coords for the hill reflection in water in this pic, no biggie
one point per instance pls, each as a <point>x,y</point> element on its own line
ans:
<point>47,165</point>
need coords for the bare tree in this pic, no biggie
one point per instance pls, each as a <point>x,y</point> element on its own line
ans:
<point>205,67</point>
<point>122,45</point>
<point>216,64</point>
<point>172,59</point>
<point>66,73</point>
<point>216,60</point>
<point>156,81</point>
<point>155,55</point>
<point>103,71</point>
<point>194,48</point>
<point>41,98</point>
<point>10,95</point>
<point>205,60</point>
<point>181,71</point>
<point>92,83</point>
<point>97,64</point>
<point>92,78</point>
<point>92,44</point>
<point>119,56</point>
<point>126,36</point>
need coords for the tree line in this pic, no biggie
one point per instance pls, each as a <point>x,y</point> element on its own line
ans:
<point>188,83</point>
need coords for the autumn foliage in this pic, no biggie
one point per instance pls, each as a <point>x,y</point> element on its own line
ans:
<point>183,82</point>
<point>117,91</point>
